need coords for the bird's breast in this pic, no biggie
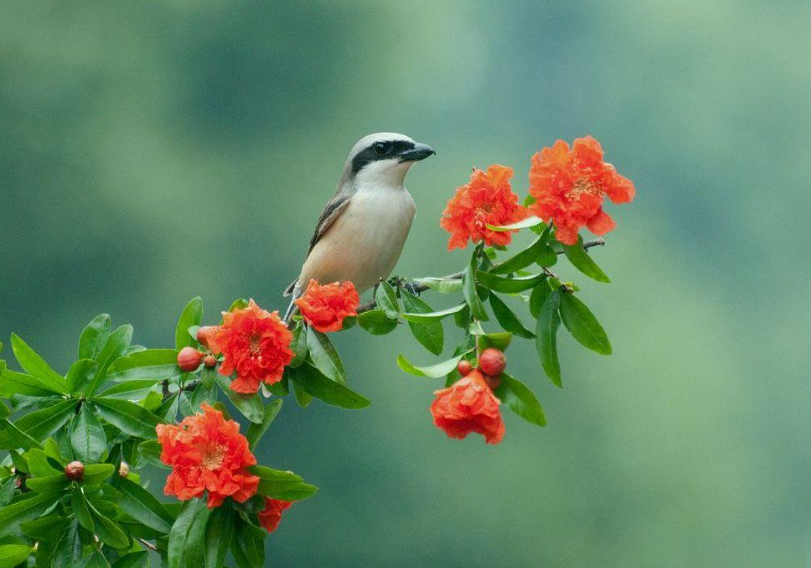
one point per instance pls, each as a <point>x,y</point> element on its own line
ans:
<point>365,242</point>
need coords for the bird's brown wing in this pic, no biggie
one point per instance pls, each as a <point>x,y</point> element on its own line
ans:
<point>331,212</point>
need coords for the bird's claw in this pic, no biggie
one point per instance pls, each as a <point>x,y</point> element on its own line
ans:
<point>408,285</point>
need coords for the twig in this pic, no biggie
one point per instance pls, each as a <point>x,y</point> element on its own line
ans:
<point>416,287</point>
<point>147,544</point>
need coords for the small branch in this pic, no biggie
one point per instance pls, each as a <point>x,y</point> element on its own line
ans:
<point>147,544</point>
<point>372,304</point>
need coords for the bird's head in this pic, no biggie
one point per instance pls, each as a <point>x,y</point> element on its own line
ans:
<point>383,159</point>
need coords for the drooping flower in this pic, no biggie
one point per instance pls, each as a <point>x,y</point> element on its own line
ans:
<point>469,406</point>
<point>255,345</point>
<point>207,453</point>
<point>487,199</point>
<point>569,187</point>
<point>325,307</point>
<point>271,515</point>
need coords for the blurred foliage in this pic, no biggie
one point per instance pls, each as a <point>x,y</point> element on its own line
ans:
<point>153,151</point>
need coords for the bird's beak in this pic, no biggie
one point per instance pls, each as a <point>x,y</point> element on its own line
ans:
<point>417,153</point>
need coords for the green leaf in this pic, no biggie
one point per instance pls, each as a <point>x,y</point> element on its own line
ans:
<point>81,510</point>
<point>138,559</point>
<point>219,531</point>
<point>94,336</point>
<point>256,431</point>
<point>546,341</point>
<point>80,375</point>
<point>321,387</point>
<point>45,528</point>
<point>87,437</point>
<point>248,548</point>
<point>36,366</point>
<point>471,294</point>
<point>442,285</point>
<point>153,364</point>
<point>299,346</point>
<point>127,417</point>
<point>303,398</point>
<point>324,356</point>
<point>525,224</point>
<point>500,340</point>
<point>521,400</point>
<point>12,383</point>
<point>150,452</point>
<point>23,508</point>
<point>537,298</point>
<point>116,347</point>
<point>433,316</point>
<point>107,530</point>
<point>386,299</point>
<point>97,472</point>
<point>250,405</point>
<point>583,326</point>
<point>284,485</point>
<point>522,259</point>
<point>507,318</point>
<point>191,513</point>
<point>40,466</point>
<point>433,371</point>
<point>4,410</point>
<point>581,260</point>
<point>509,285</point>
<point>431,333</point>
<point>96,560</point>
<point>50,485</point>
<point>12,437</point>
<point>139,504</point>
<point>192,315</point>
<point>130,390</point>
<point>41,423</point>
<point>13,554</point>
<point>52,451</point>
<point>377,322</point>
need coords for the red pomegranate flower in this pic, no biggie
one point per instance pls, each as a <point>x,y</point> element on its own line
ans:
<point>486,200</point>
<point>255,343</point>
<point>469,406</point>
<point>569,187</point>
<point>271,515</point>
<point>325,307</point>
<point>207,453</point>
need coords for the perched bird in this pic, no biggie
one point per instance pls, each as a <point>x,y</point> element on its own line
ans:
<point>362,230</point>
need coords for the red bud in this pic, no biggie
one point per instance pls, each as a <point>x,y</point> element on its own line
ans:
<point>492,362</point>
<point>464,367</point>
<point>210,361</point>
<point>75,471</point>
<point>189,359</point>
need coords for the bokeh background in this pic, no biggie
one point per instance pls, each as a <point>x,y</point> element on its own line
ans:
<point>154,151</point>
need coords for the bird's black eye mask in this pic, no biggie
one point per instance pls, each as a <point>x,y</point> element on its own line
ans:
<point>383,150</point>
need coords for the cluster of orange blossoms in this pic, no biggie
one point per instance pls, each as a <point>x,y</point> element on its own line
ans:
<point>207,453</point>
<point>255,343</point>
<point>568,185</point>
<point>469,406</point>
<point>326,307</point>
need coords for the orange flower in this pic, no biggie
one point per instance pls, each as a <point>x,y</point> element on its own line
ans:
<point>469,406</point>
<point>271,515</point>
<point>569,186</point>
<point>486,200</point>
<point>325,307</point>
<point>207,453</point>
<point>255,343</point>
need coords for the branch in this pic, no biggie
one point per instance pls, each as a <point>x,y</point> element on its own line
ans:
<point>149,545</point>
<point>417,288</point>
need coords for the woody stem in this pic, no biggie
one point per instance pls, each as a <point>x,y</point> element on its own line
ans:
<point>417,287</point>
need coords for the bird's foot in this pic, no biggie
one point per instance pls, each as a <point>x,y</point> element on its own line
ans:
<point>408,285</point>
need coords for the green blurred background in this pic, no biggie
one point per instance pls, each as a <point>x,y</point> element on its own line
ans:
<point>154,151</point>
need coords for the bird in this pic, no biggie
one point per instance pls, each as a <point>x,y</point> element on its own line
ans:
<point>361,232</point>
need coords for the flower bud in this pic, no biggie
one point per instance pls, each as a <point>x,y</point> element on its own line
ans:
<point>189,359</point>
<point>210,361</point>
<point>464,367</point>
<point>492,362</point>
<point>75,471</point>
<point>203,333</point>
<point>124,469</point>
